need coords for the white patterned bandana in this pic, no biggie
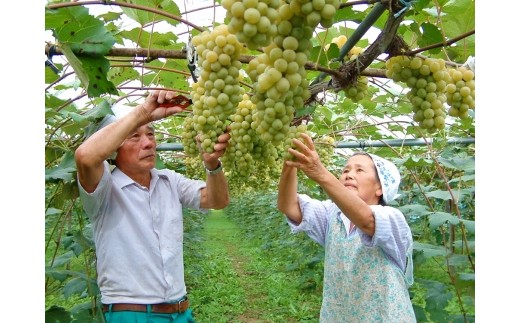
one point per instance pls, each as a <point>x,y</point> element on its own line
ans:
<point>388,176</point>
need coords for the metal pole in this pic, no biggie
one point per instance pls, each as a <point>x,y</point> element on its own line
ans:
<point>400,142</point>
<point>363,27</point>
<point>358,144</point>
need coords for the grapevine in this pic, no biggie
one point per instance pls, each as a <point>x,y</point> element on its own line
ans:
<point>260,122</point>
<point>359,89</point>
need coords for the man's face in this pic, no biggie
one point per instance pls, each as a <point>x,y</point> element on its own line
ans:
<point>137,152</point>
<point>360,175</point>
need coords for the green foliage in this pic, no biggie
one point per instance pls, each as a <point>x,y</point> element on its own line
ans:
<point>236,277</point>
<point>444,234</point>
<point>431,35</point>
<point>301,255</point>
<point>144,17</point>
<point>80,31</point>
<point>84,40</point>
<point>153,40</point>
<point>91,71</point>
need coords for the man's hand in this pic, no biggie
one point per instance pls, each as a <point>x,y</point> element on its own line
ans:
<point>211,160</point>
<point>152,109</point>
<point>216,194</point>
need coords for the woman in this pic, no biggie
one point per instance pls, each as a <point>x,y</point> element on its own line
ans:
<point>368,245</point>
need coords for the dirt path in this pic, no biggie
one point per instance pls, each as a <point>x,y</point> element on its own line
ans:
<point>237,280</point>
<point>221,231</point>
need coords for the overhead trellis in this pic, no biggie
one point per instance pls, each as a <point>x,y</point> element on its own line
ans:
<point>360,144</point>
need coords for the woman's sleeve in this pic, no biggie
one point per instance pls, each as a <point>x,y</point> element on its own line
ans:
<point>315,218</point>
<point>392,234</point>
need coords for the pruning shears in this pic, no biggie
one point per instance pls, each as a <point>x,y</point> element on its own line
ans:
<point>179,101</point>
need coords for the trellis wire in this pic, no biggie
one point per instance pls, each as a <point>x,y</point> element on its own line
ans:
<point>358,144</point>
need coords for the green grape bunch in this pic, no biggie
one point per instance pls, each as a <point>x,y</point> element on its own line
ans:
<point>246,151</point>
<point>280,78</point>
<point>461,92</point>
<point>239,154</point>
<point>194,168</point>
<point>294,132</point>
<point>217,93</point>
<point>189,135</point>
<point>427,79</point>
<point>325,148</point>
<point>252,21</point>
<point>316,12</point>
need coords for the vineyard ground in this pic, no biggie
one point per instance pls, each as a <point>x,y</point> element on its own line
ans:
<point>236,281</point>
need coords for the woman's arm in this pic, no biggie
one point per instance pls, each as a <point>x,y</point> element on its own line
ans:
<point>287,194</point>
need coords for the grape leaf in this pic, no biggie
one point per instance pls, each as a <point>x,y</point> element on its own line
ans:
<point>91,71</point>
<point>84,34</point>
<point>143,17</point>
<point>430,35</point>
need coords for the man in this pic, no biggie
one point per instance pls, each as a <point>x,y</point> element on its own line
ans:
<point>136,214</point>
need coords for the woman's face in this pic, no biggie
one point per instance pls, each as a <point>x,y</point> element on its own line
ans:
<point>360,175</point>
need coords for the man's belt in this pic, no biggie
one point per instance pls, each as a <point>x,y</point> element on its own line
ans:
<point>164,308</point>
